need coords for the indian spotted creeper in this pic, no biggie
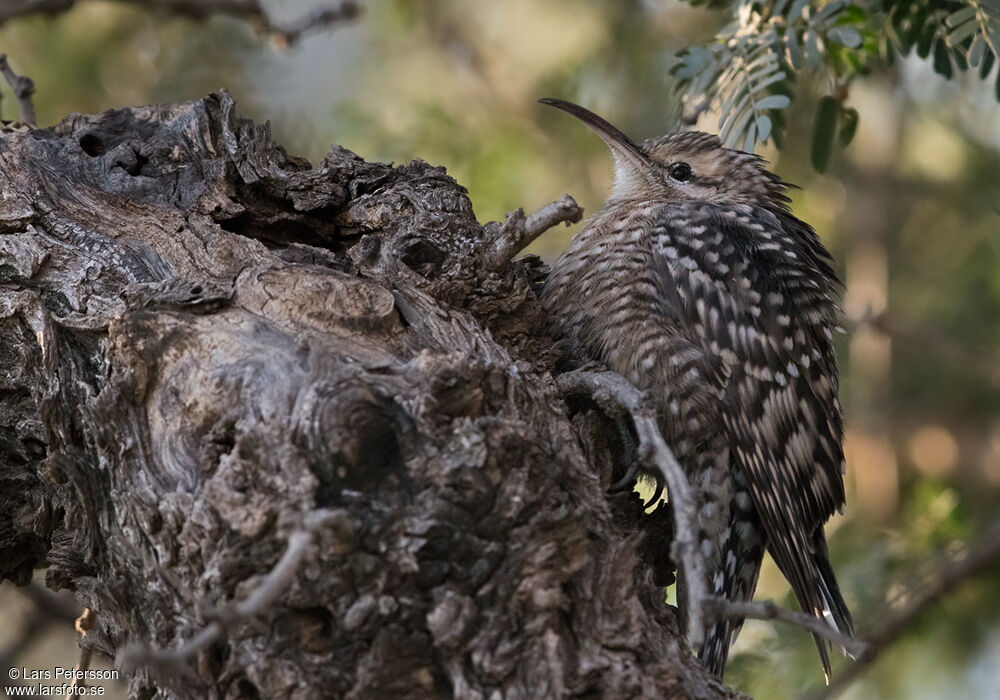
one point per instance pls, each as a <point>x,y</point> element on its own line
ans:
<point>698,285</point>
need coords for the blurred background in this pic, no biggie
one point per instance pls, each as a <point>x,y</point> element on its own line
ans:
<point>910,210</point>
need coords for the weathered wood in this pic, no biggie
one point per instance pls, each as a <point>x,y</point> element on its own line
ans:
<point>206,344</point>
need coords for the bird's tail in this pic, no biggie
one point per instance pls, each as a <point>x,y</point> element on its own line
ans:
<point>812,580</point>
<point>833,609</point>
<point>736,580</point>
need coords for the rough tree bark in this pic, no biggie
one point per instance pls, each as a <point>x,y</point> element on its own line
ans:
<point>209,348</point>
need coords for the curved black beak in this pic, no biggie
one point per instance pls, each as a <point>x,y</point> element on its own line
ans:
<point>623,148</point>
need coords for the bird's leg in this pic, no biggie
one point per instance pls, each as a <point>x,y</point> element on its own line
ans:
<point>620,416</point>
<point>614,394</point>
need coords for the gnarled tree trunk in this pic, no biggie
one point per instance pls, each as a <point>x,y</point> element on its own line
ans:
<point>210,349</point>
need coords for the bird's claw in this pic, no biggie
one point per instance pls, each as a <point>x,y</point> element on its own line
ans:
<point>627,481</point>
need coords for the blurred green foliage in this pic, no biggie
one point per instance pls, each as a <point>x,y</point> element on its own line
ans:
<point>747,72</point>
<point>910,208</point>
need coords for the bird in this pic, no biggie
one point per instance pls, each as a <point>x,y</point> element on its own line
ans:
<point>697,283</point>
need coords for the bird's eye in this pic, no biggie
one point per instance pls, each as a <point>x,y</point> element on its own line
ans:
<point>680,172</point>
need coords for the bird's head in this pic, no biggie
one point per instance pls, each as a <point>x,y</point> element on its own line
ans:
<point>685,166</point>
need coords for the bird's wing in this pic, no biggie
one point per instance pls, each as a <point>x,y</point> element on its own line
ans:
<point>750,292</point>
<point>758,293</point>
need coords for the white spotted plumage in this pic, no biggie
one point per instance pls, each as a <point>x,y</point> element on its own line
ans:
<point>720,302</point>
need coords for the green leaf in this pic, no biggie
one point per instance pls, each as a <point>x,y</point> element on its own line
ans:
<point>726,123</point>
<point>925,42</point>
<point>794,49</point>
<point>962,33</point>
<point>736,102</point>
<point>691,61</point>
<point>773,102</point>
<point>758,76</point>
<point>796,11</point>
<point>766,60</point>
<point>848,126</point>
<point>763,127</point>
<point>813,49</point>
<point>977,50</point>
<point>751,139</point>
<point>767,82</point>
<point>960,61</point>
<point>961,17</point>
<point>903,37</point>
<point>986,66</point>
<point>826,126</point>
<point>734,134</point>
<point>942,60</point>
<point>848,36</point>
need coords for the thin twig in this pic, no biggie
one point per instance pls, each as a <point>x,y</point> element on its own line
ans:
<point>23,89</point>
<point>84,624</point>
<point>718,608</point>
<point>273,585</point>
<point>252,11</point>
<point>287,34</point>
<point>954,571</point>
<point>610,387</point>
<point>518,231</point>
